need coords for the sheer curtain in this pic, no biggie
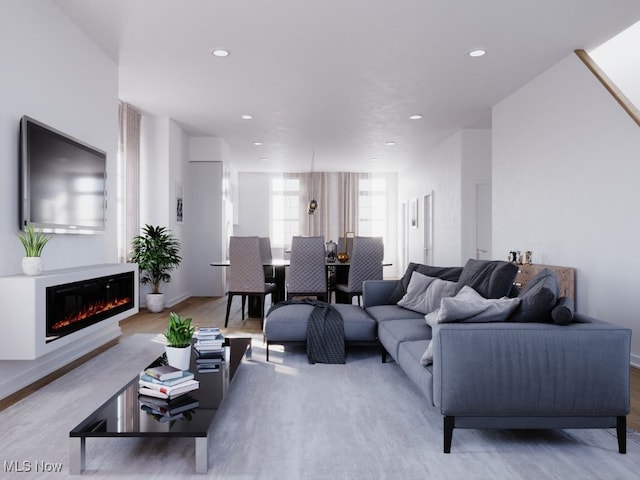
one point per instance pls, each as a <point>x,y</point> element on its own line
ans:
<point>349,195</point>
<point>128,179</point>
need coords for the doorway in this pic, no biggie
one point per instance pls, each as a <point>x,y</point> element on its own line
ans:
<point>427,221</point>
<point>483,221</point>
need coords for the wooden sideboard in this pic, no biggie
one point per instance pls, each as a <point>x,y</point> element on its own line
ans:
<point>566,278</point>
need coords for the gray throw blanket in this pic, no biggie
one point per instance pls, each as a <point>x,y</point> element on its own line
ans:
<point>325,332</point>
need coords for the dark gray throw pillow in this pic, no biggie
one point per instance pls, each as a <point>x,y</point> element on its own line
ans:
<point>490,278</point>
<point>562,313</point>
<point>538,298</point>
<point>401,287</point>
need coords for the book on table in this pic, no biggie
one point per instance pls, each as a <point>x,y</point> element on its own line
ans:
<point>151,392</point>
<point>186,375</point>
<point>163,372</point>
<point>172,407</point>
<point>170,390</point>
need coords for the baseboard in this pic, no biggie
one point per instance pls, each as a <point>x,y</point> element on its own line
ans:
<point>635,360</point>
<point>170,302</point>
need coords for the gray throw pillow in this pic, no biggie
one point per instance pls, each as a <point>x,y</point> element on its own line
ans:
<point>538,298</point>
<point>562,313</point>
<point>424,293</point>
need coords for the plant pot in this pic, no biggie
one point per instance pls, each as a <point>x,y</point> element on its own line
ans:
<point>32,266</point>
<point>155,302</point>
<point>179,357</point>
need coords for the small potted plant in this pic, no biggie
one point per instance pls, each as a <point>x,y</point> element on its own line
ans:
<point>179,333</point>
<point>157,252</point>
<point>33,242</point>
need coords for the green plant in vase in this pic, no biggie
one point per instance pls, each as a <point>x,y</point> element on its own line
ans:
<point>157,253</point>
<point>179,333</point>
<point>33,242</point>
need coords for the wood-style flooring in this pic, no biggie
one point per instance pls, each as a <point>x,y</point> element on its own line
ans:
<point>210,311</point>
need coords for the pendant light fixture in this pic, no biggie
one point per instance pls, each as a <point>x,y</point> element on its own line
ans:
<point>313,204</point>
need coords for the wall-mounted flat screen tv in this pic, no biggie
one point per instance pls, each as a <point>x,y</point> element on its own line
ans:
<point>63,181</point>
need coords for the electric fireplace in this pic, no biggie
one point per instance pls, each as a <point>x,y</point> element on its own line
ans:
<point>73,306</point>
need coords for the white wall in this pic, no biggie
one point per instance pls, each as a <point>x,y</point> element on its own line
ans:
<point>52,72</point>
<point>565,185</point>
<point>164,153</point>
<point>450,171</point>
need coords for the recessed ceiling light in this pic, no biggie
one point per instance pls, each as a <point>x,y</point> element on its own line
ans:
<point>477,52</point>
<point>390,143</point>
<point>264,159</point>
<point>374,159</point>
<point>247,117</point>
<point>220,52</point>
<point>257,144</point>
<point>416,116</point>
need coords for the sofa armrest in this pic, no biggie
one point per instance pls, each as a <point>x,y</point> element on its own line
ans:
<point>534,369</point>
<point>377,292</point>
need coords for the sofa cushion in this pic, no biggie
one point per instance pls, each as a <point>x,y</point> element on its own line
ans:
<point>468,306</point>
<point>562,313</point>
<point>450,274</point>
<point>538,298</point>
<point>409,354</point>
<point>288,323</point>
<point>382,313</point>
<point>490,278</point>
<point>394,332</point>
<point>424,293</point>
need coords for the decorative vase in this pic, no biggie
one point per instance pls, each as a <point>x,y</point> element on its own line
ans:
<point>343,257</point>
<point>32,266</point>
<point>179,357</point>
<point>155,302</point>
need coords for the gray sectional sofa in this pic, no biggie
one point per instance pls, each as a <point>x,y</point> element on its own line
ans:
<point>535,365</point>
<point>523,372</point>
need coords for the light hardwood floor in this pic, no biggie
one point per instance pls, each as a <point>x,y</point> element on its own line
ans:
<point>210,311</point>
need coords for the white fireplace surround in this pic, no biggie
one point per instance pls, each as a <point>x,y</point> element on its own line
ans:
<point>25,356</point>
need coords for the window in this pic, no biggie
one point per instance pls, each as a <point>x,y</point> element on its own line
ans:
<point>285,210</point>
<point>372,207</point>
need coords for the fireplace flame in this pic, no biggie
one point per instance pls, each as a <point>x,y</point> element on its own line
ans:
<point>90,311</point>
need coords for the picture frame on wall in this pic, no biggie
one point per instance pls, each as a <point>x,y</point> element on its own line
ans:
<point>413,221</point>
<point>179,203</point>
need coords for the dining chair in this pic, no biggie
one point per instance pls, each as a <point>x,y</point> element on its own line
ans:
<point>307,269</point>
<point>267,257</point>
<point>366,264</point>
<point>246,274</point>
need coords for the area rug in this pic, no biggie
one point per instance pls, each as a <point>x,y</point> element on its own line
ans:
<point>287,419</point>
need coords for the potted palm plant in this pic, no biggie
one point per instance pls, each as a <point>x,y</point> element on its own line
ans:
<point>157,253</point>
<point>33,242</point>
<point>178,335</point>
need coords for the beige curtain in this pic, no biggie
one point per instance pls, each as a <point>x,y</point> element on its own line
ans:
<point>128,179</point>
<point>348,194</point>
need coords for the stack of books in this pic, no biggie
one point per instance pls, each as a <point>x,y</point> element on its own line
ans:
<point>209,348</point>
<point>164,410</point>
<point>166,382</point>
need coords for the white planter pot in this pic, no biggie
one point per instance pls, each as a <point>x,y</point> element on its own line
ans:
<point>179,357</point>
<point>32,266</point>
<point>155,302</point>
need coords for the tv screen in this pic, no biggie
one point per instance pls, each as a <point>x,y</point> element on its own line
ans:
<point>63,181</point>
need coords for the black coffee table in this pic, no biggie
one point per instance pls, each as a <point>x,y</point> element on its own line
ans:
<point>124,414</point>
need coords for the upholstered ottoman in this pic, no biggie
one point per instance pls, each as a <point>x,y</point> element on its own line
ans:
<point>288,325</point>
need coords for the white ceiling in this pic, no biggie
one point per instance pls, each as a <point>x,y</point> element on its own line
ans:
<point>340,77</point>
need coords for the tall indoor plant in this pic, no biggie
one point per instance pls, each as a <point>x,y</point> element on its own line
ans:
<point>157,253</point>
<point>33,242</point>
<point>178,335</point>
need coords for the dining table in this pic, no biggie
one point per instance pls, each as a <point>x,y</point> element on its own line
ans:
<point>279,265</point>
